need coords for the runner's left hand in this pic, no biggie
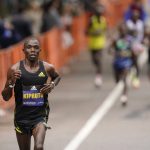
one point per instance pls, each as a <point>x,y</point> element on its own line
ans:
<point>47,88</point>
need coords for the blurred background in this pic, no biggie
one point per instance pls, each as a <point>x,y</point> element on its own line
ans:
<point>63,28</point>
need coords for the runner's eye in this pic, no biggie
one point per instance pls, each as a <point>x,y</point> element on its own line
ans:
<point>30,46</point>
<point>36,47</point>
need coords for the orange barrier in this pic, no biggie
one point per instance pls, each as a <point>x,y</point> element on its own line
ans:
<point>52,51</point>
<point>5,62</point>
<point>78,31</point>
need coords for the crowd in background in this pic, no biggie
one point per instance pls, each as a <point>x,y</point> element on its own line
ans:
<point>26,18</point>
<point>21,18</point>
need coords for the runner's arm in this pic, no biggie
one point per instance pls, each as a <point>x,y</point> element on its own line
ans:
<point>12,75</point>
<point>54,78</point>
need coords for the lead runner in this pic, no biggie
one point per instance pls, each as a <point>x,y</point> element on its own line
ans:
<point>29,79</point>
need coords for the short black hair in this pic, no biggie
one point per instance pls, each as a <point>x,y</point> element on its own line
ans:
<point>31,38</point>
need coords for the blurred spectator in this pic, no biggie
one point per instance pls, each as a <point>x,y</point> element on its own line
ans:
<point>8,35</point>
<point>21,24</point>
<point>51,17</point>
<point>33,14</point>
<point>3,8</point>
<point>67,22</point>
<point>66,14</point>
<point>138,6</point>
<point>77,7</point>
<point>8,7</point>
<point>88,5</point>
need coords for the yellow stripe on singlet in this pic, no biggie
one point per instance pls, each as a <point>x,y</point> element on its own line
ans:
<point>18,130</point>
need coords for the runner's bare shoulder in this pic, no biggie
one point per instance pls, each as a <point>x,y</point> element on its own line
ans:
<point>48,66</point>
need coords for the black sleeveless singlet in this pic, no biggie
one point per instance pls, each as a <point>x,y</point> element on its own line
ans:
<point>30,105</point>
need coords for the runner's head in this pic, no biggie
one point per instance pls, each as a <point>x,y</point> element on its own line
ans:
<point>32,49</point>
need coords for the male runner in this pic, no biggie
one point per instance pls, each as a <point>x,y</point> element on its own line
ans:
<point>97,40</point>
<point>32,80</point>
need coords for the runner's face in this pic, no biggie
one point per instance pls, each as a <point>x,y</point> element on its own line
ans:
<point>32,49</point>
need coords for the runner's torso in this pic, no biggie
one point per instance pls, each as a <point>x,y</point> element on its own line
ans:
<point>122,48</point>
<point>31,105</point>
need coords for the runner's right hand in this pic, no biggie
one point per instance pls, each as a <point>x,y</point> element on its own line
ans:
<point>15,74</point>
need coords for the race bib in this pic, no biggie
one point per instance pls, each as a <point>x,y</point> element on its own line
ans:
<point>32,96</point>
